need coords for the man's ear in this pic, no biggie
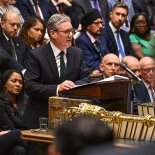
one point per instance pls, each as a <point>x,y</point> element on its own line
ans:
<point>52,150</point>
<point>101,67</point>
<point>52,34</point>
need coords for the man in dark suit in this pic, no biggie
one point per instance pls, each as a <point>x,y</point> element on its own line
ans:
<point>101,5</point>
<point>34,7</point>
<point>9,43</point>
<point>118,39</point>
<point>68,7</point>
<point>91,41</point>
<point>52,68</point>
<point>145,92</point>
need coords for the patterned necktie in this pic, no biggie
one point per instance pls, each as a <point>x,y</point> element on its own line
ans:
<point>152,93</point>
<point>97,47</point>
<point>119,44</point>
<point>37,10</point>
<point>60,10</point>
<point>63,70</point>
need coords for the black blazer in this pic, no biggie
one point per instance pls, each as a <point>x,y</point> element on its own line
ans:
<point>42,79</point>
<point>112,45</point>
<point>7,119</point>
<point>21,50</point>
<point>141,93</point>
<point>140,6</point>
<point>74,12</point>
<point>86,6</point>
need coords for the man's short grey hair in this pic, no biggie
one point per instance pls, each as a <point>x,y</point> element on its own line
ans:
<point>56,20</point>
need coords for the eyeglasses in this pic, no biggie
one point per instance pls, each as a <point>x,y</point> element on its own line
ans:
<point>147,70</point>
<point>98,23</point>
<point>67,32</point>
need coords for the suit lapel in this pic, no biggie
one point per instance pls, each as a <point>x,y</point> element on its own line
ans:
<point>112,38</point>
<point>51,59</point>
<point>69,62</point>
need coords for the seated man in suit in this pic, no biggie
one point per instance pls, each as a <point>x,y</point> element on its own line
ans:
<point>52,69</point>
<point>145,91</point>
<point>91,40</point>
<point>110,65</point>
<point>118,39</point>
<point>133,64</point>
<point>9,43</point>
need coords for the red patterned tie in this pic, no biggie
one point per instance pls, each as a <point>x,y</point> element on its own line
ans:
<point>60,10</point>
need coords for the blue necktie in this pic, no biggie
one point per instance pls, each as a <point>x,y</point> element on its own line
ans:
<point>119,44</point>
<point>63,70</point>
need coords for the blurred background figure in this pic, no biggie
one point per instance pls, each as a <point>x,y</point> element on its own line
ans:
<point>32,32</point>
<point>101,5</point>
<point>141,37</point>
<point>6,5</point>
<point>34,7</point>
<point>80,133</point>
<point>68,7</point>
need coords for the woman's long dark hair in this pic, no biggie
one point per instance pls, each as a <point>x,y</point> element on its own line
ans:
<point>7,74</point>
<point>28,23</point>
<point>133,20</point>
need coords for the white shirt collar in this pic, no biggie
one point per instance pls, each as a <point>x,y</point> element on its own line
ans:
<point>56,50</point>
<point>54,2</point>
<point>91,37</point>
<point>112,27</point>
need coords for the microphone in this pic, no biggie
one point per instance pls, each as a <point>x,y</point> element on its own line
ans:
<point>122,65</point>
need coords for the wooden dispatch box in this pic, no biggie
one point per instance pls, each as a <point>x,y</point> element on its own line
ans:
<point>58,104</point>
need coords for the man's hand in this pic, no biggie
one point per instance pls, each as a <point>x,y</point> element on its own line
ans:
<point>65,2</point>
<point>66,85</point>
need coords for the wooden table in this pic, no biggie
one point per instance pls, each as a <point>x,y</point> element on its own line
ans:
<point>35,135</point>
<point>48,137</point>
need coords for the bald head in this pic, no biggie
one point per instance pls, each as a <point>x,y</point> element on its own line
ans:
<point>147,66</point>
<point>133,64</point>
<point>110,65</point>
<point>10,23</point>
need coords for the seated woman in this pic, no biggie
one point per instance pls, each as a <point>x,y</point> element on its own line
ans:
<point>11,100</point>
<point>11,109</point>
<point>11,143</point>
<point>141,38</point>
<point>33,31</point>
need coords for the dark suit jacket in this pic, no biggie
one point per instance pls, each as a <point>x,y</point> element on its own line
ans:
<point>26,8</point>
<point>86,6</point>
<point>140,6</point>
<point>112,45</point>
<point>142,93</point>
<point>91,56</point>
<point>42,79</point>
<point>21,51</point>
<point>7,120</point>
<point>74,12</point>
